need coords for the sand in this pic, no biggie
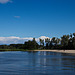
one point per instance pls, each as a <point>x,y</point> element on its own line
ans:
<point>61,51</point>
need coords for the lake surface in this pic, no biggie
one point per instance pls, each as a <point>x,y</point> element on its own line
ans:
<point>36,63</point>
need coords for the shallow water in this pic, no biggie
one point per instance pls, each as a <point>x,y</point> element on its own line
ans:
<point>36,63</point>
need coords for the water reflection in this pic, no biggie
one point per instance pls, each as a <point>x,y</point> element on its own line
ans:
<point>39,63</point>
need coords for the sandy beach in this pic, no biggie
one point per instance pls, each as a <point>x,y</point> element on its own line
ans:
<point>61,51</point>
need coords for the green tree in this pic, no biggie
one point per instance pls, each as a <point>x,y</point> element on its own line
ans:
<point>70,42</point>
<point>64,41</point>
<point>47,41</point>
<point>74,34</point>
<point>74,40</point>
<point>53,40</point>
<point>31,44</point>
<point>41,43</point>
<point>70,35</point>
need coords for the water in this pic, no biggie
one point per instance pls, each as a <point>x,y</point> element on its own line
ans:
<point>36,63</point>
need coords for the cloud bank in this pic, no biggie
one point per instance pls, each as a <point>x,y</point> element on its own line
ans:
<point>5,1</point>
<point>17,40</point>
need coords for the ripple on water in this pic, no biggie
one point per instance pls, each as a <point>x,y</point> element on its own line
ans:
<point>37,63</point>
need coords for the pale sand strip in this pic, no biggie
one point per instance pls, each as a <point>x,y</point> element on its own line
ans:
<point>62,51</point>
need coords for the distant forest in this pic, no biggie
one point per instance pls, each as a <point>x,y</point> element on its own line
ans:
<point>65,42</point>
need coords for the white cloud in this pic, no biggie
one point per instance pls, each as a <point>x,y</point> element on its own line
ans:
<point>43,37</point>
<point>5,1</point>
<point>16,40</point>
<point>17,16</point>
<point>13,40</point>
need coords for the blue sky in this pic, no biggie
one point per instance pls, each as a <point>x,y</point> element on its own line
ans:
<point>35,18</point>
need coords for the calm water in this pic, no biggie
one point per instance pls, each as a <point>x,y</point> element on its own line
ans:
<point>36,63</point>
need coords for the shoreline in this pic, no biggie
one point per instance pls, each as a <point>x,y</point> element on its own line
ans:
<point>60,51</point>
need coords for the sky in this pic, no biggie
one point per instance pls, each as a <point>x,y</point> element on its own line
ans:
<point>36,18</point>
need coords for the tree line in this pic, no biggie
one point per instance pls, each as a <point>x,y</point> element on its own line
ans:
<point>65,42</point>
